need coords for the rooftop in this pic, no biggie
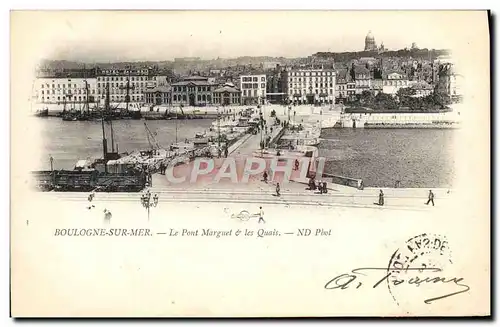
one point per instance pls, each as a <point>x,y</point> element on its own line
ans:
<point>192,83</point>
<point>196,78</point>
<point>227,89</point>
<point>165,88</point>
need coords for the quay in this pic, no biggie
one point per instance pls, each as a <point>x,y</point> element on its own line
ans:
<point>247,144</point>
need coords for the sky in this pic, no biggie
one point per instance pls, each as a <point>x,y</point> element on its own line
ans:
<point>108,36</point>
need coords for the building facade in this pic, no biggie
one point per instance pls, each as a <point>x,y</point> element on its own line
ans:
<point>253,89</point>
<point>422,89</point>
<point>341,85</point>
<point>362,80</point>
<point>275,93</point>
<point>193,91</point>
<point>160,95</point>
<point>310,85</point>
<point>392,82</point>
<point>60,90</point>
<point>226,96</point>
<point>119,80</point>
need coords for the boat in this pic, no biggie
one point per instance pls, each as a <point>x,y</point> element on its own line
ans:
<point>201,139</point>
<point>42,112</point>
<point>182,147</point>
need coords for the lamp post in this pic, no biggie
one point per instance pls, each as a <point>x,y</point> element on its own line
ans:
<point>261,130</point>
<point>148,202</point>
<point>218,133</point>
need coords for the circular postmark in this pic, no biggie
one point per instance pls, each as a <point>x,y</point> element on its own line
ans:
<point>420,271</point>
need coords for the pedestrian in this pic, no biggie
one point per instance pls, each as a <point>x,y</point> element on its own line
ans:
<point>380,198</point>
<point>265,176</point>
<point>325,189</point>
<point>296,164</point>
<point>107,216</point>
<point>277,189</point>
<point>261,216</point>
<point>431,198</point>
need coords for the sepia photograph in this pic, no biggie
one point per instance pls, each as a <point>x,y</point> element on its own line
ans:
<point>250,163</point>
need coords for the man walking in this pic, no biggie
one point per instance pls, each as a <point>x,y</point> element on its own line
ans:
<point>431,198</point>
<point>261,216</point>
<point>277,189</point>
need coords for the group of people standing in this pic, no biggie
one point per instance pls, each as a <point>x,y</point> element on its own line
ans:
<point>320,186</point>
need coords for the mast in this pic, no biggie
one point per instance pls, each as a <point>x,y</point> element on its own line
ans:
<point>218,128</point>
<point>176,119</point>
<point>104,141</point>
<point>127,97</point>
<point>86,90</point>
<point>111,119</point>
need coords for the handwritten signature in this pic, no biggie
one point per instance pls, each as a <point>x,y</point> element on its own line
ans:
<point>344,281</point>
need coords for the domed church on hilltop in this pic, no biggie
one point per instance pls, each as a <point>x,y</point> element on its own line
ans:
<point>370,44</point>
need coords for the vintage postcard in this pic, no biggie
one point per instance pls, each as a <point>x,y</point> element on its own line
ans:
<point>250,163</point>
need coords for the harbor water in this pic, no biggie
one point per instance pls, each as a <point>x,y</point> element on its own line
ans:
<point>415,157</point>
<point>380,157</point>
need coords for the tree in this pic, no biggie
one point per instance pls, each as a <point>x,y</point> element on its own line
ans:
<point>385,101</point>
<point>366,98</point>
<point>405,92</point>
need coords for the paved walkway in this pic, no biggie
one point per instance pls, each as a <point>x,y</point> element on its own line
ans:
<point>258,192</point>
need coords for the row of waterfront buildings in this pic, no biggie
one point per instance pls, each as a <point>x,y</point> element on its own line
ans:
<point>311,84</point>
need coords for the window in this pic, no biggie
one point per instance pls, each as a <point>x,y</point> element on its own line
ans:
<point>255,86</point>
<point>255,79</point>
<point>263,79</point>
<point>263,85</point>
<point>42,91</point>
